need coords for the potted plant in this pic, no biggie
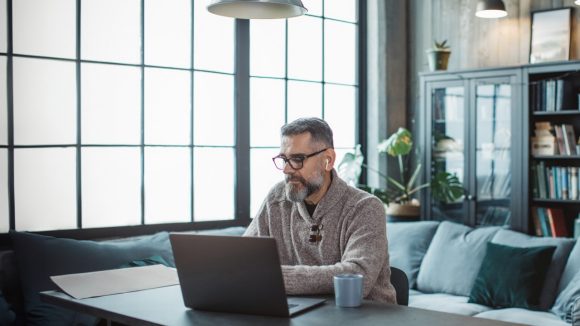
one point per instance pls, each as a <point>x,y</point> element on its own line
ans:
<point>398,196</point>
<point>438,56</point>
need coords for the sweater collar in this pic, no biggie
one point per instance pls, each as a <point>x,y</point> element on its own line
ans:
<point>332,196</point>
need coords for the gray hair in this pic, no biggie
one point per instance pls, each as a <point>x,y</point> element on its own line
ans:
<point>319,130</point>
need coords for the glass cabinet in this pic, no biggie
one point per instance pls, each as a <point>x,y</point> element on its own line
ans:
<point>468,121</point>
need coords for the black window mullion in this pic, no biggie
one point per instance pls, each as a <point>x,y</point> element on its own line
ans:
<point>142,136</point>
<point>242,119</point>
<point>10,117</point>
<point>78,144</point>
<point>323,61</point>
<point>286,71</point>
<point>191,117</point>
<point>361,112</point>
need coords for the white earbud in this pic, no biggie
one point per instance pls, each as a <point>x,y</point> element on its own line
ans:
<point>327,164</point>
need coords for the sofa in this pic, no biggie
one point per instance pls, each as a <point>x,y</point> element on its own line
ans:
<point>443,262</point>
<point>488,272</point>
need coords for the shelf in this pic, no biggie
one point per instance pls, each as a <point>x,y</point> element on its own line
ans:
<point>557,201</point>
<point>545,113</point>
<point>556,157</point>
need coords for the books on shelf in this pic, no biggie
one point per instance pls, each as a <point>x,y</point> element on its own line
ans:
<point>552,95</point>
<point>549,222</point>
<point>544,142</point>
<point>555,182</point>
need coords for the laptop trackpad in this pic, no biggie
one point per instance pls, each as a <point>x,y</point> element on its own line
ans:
<point>296,305</point>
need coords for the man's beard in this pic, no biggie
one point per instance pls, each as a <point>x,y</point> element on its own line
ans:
<point>297,193</point>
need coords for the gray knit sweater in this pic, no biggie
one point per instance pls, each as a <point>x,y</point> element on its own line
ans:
<point>353,240</point>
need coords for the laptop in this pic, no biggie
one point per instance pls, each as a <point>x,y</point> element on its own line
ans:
<point>234,274</point>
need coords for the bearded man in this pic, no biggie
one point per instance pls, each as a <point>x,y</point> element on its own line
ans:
<point>322,226</point>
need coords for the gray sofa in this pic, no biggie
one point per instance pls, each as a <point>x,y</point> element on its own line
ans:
<point>443,262</point>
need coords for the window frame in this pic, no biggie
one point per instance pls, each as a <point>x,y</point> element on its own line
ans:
<point>242,129</point>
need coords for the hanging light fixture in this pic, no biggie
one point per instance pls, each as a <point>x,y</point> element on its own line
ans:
<point>257,9</point>
<point>491,9</point>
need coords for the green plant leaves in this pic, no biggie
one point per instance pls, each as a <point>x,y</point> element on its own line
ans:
<point>446,187</point>
<point>399,143</point>
<point>350,167</point>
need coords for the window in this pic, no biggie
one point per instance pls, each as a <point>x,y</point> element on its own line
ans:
<point>126,113</point>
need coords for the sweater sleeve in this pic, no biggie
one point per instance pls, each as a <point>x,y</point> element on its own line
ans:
<point>259,225</point>
<point>365,253</point>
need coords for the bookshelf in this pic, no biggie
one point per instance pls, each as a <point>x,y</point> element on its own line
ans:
<point>481,125</point>
<point>553,183</point>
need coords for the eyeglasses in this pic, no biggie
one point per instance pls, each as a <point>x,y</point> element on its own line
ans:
<point>296,161</point>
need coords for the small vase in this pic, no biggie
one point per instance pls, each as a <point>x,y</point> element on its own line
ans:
<point>403,213</point>
<point>438,59</point>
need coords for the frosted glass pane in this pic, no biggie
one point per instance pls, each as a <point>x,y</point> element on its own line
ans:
<point>340,104</point>
<point>45,106</point>
<point>267,47</point>
<point>263,176</point>
<point>341,9</point>
<point>3,27</point>
<point>168,33</point>
<point>111,30</point>
<point>167,185</point>
<point>46,27</point>
<point>45,189</point>
<point>4,211</point>
<point>214,181</point>
<point>304,100</point>
<point>305,48</point>
<point>167,106</point>
<point>111,104</point>
<point>267,103</point>
<point>314,7</point>
<point>111,182</point>
<point>213,109</point>
<point>213,40</point>
<point>3,103</point>
<point>340,52</point>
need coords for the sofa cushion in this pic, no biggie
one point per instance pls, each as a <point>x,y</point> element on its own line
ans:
<point>567,299</point>
<point>7,316</point>
<point>39,257</point>
<point>511,276</point>
<point>563,248</point>
<point>523,316</point>
<point>408,243</point>
<point>572,267</point>
<point>453,259</point>
<point>445,302</point>
<point>231,231</point>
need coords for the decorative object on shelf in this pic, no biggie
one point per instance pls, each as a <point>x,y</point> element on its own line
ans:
<point>544,143</point>
<point>577,227</point>
<point>438,56</point>
<point>551,35</point>
<point>397,196</point>
<point>257,9</point>
<point>490,9</point>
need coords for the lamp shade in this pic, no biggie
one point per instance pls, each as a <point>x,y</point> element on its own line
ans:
<point>490,9</point>
<point>257,9</point>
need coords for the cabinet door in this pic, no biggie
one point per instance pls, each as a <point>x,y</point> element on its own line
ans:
<point>447,153</point>
<point>490,189</point>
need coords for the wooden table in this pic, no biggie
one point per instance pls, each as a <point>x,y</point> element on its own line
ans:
<point>164,306</point>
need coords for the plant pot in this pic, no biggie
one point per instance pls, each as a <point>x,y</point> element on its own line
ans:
<point>438,59</point>
<point>403,213</point>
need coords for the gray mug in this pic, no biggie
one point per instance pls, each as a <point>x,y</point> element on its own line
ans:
<point>348,290</point>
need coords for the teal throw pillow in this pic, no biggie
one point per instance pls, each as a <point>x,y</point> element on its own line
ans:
<point>511,277</point>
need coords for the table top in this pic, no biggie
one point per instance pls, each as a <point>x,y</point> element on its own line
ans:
<point>164,306</point>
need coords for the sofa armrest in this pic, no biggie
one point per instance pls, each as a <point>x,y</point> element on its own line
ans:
<point>576,312</point>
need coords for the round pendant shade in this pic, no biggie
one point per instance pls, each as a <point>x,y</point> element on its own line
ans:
<point>257,9</point>
<point>490,9</point>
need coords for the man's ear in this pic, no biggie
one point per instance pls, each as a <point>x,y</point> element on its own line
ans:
<point>330,159</point>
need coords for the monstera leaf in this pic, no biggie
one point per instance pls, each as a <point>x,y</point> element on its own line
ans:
<point>350,167</point>
<point>446,187</point>
<point>398,144</point>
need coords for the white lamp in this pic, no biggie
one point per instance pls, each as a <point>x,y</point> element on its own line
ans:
<point>257,9</point>
<point>491,9</point>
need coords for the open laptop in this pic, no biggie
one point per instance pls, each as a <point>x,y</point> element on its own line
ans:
<point>233,274</point>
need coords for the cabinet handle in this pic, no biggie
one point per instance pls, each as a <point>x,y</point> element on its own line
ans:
<point>470,197</point>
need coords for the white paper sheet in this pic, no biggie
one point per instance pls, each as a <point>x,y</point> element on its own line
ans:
<point>115,281</point>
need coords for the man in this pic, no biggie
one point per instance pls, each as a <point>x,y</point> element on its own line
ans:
<point>322,226</point>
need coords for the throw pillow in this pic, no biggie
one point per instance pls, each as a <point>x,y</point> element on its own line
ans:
<point>567,298</point>
<point>511,277</point>
<point>408,243</point>
<point>453,259</point>
<point>39,257</point>
<point>572,267</point>
<point>563,248</point>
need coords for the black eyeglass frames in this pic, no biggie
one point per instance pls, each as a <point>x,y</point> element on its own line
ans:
<point>296,161</point>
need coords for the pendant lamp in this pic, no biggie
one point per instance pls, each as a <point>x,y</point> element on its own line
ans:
<point>490,9</point>
<point>257,9</point>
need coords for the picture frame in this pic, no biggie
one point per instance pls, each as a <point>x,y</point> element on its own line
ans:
<point>551,35</point>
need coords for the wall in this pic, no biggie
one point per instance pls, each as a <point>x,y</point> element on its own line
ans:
<point>475,42</point>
